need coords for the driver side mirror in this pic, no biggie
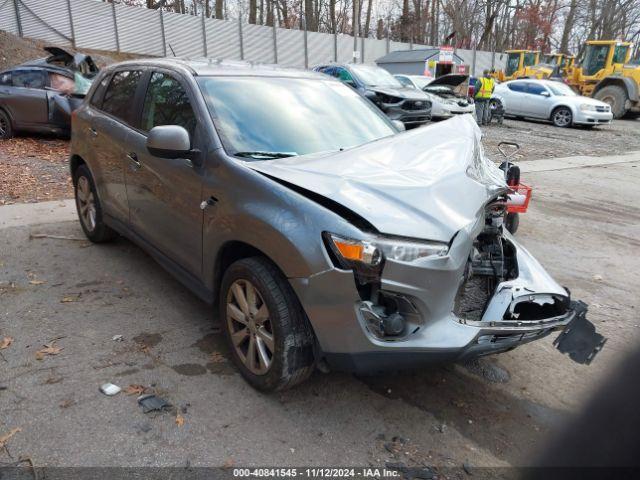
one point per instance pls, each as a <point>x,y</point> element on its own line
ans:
<point>399,125</point>
<point>169,141</point>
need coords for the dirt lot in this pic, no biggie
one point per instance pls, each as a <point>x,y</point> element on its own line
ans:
<point>75,297</point>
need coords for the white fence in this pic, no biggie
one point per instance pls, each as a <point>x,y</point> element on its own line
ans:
<point>109,26</point>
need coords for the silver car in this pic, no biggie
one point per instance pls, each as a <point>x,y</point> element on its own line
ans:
<point>323,236</point>
<point>550,100</point>
<point>449,94</point>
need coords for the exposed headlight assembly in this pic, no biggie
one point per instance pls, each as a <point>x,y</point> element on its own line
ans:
<point>366,257</point>
<point>587,107</point>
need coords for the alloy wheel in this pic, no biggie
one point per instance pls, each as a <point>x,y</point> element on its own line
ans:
<point>250,327</point>
<point>562,117</point>
<point>3,127</point>
<point>86,203</point>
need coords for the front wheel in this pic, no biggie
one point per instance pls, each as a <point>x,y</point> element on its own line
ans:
<point>269,336</point>
<point>6,129</point>
<point>562,117</point>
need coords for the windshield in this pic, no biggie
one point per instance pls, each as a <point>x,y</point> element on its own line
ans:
<point>561,89</point>
<point>513,63</point>
<point>421,82</point>
<point>261,118</point>
<point>375,76</point>
<point>529,59</point>
<point>620,53</point>
<point>595,58</point>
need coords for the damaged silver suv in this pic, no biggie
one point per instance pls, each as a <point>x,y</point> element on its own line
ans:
<point>322,234</point>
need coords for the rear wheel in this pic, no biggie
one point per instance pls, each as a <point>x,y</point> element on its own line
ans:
<point>562,117</point>
<point>616,97</point>
<point>270,339</point>
<point>6,130</point>
<point>89,207</point>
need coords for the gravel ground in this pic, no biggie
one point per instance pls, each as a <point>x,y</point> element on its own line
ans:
<point>76,296</point>
<point>542,140</point>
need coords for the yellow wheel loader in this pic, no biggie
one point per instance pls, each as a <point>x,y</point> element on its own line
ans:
<point>605,74</point>
<point>519,63</point>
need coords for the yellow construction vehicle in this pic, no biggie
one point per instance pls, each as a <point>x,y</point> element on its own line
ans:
<point>605,74</point>
<point>562,61</point>
<point>519,63</point>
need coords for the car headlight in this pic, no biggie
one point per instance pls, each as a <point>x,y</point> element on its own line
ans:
<point>587,107</point>
<point>367,256</point>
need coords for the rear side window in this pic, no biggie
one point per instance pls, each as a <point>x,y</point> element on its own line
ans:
<point>516,86</point>
<point>5,78</point>
<point>118,99</point>
<point>28,79</point>
<point>167,103</point>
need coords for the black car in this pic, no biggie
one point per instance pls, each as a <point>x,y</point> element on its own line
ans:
<point>39,95</point>
<point>407,105</point>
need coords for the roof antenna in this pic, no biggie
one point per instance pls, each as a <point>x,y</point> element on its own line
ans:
<point>171,48</point>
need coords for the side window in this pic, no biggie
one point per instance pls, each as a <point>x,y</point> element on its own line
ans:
<point>28,78</point>
<point>167,103</point>
<point>98,93</point>
<point>118,99</point>
<point>5,78</point>
<point>343,75</point>
<point>535,89</point>
<point>516,87</point>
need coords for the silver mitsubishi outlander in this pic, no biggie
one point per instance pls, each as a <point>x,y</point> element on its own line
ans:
<point>323,234</point>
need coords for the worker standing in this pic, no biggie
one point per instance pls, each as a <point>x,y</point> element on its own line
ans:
<point>484,88</point>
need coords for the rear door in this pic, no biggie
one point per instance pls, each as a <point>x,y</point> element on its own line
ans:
<point>165,194</point>
<point>26,98</point>
<point>106,127</point>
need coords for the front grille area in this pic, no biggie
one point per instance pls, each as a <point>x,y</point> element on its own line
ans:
<point>413,105</point>
<point>602,109</point>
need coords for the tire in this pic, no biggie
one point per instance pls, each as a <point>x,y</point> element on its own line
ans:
<point>562,117</point>
<point>512,222</point>
<point>274,350</point>
<point>6,129</point>
<point>89,207</point>
<point>616,97</point>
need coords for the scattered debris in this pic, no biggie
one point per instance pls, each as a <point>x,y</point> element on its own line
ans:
<point>52,380</point>
<point>217,357</point>
<point>69,402</point>
<point>118,338</point>
<point>49,349</point>
<point>110,389</point>
<point>56,237</point>
<point>228,463</point>
<point>597,278</point>
<point>35,281</point>
<point>135,389</point>
<point>467,468</point>
<point>6,342</point>
<point>179,420</point>
<point>150,402</point>
<point>441,428</point>
<point>70,298</point>
<point>5,438</point>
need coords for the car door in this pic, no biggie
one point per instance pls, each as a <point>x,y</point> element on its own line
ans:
<point>536,100</point>
<point>165,194</point>
<point>515,91</point>
<point>26,98</point>
<point>105,130</point>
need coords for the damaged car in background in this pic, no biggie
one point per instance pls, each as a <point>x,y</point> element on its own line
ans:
<point>39,96</point>
<point>335,242</point>
<point>449,94</point>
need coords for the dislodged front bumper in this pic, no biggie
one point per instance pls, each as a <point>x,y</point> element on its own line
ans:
<point>435,332</point>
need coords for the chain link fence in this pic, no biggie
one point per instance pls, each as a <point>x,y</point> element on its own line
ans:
<point>114,27</point>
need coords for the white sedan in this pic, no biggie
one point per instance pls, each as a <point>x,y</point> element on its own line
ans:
<point>448,93</point>
<point>549,100</point>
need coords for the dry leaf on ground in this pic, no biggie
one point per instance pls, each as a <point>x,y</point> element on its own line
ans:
<point>5,438</point>
<point>49,349</point>
<point>134,389</point>
<point>70,298</point>
<point>217,357</point>
<point>36,282</point>
<point>179,420</point>
<point>5,342</point>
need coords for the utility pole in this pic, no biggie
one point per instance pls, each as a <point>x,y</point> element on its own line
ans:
<point>356,29</point>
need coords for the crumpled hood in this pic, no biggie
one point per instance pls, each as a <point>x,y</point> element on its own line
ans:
<point>415,184</point>
<point>405,92</point>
